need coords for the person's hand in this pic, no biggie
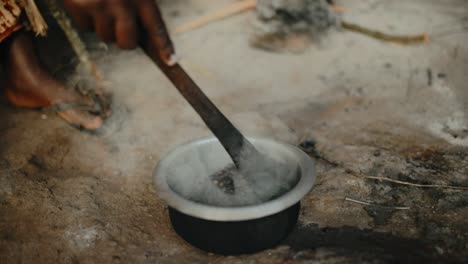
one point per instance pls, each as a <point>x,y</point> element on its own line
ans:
<point>125,22</point>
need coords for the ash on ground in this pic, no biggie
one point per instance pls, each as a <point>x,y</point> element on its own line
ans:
<point>290,25</point>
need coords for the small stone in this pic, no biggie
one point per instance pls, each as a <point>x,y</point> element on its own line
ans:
<point>116,259</point>
<point>43,116</point>
<point>308,145</point>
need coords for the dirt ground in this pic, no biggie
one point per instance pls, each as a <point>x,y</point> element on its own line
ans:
<point>364,108</point>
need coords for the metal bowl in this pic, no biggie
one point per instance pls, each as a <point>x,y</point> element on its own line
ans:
<point>231,229</point>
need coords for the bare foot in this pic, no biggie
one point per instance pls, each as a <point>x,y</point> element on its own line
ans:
<point>30,85</point>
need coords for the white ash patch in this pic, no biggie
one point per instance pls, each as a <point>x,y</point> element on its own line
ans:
<point>454,130</point>
<point>81,238</point>
<point>290,25</point>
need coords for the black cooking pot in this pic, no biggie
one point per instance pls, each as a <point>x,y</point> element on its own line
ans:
<point>231,230</point>
<point>235,237</point>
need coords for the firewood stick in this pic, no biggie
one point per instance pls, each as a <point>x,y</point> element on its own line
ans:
<point>74,39</point>
<point>400,39</point>
<point>227,11</point>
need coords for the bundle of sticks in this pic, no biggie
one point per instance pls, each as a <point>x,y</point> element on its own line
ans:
<point>246,5</point>
<point>11,12</point>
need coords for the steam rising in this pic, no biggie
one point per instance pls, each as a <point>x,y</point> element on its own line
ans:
<point>190,173</point>
<point>150,118</point>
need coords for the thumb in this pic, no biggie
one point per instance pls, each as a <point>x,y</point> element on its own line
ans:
<point>155,31</point>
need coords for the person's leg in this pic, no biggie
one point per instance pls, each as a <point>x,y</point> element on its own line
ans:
<point>30,85</point>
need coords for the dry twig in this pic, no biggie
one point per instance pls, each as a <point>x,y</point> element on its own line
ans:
<point>400,39</point>
<point>338,8</point>
<point>415,184</point>
<point>227,11</point>
<point>314,154</point>
<point>9,170</point>
<point>370,204</point>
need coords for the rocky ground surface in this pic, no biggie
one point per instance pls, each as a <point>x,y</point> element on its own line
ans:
<point>362,108</point>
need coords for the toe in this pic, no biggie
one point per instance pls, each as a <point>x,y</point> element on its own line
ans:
<point>82,119</point>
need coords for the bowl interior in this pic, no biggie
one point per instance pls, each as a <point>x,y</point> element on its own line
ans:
<point>189,174</point>
<point>182,179</point>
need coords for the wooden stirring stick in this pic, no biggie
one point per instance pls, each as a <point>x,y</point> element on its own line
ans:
<point>237,146</point>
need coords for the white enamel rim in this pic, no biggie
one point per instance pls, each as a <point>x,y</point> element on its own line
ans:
<point>215,213</point>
